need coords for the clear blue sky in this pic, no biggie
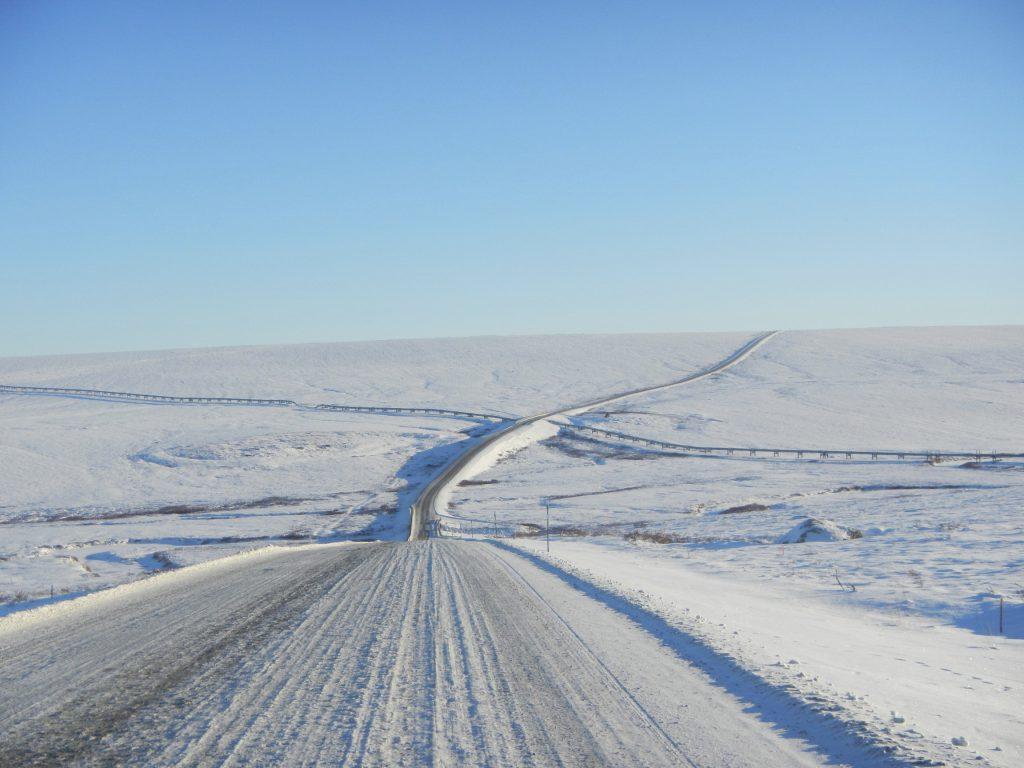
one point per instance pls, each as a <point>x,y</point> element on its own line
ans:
<point>179,174</point>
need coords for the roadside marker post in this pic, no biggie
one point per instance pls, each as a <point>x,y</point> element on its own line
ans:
<point>547,526</point>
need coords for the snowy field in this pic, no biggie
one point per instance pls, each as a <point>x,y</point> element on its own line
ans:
<point>942,539</point>
<point>94,493</point>
<point>891,604</point>
<point>934,389</point>
<point>867,590</point>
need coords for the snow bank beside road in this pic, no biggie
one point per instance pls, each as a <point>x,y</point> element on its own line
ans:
<point>501,448</point>
<point>23,620</point>
<point>938,541</point>
<point>943,682</point>
<point>940,544</point>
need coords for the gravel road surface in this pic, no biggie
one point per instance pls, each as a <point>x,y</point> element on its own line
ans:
<point>422,653</point>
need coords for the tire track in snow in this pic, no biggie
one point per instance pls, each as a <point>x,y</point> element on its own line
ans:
<point>69,688</point>
<point>422,653</point>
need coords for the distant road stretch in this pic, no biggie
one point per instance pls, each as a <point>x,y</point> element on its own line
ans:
<point>424,509</point>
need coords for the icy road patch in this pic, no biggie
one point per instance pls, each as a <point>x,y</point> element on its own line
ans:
<point>418,653</point>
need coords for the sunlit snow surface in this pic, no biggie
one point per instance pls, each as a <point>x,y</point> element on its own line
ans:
<point>94,493</point>
<point>903,617</point>
<point>942,540</point>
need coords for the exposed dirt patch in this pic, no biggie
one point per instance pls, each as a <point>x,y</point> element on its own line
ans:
<point>744,508</point>
<point>597,493</point>
<point>932,487</point>
<point>655,537</point>
<point>164,560</point>
<point>527,530</point>
<point>664,537</point>
<point>380,509</point>
<point>167,509</point>
<point>998,466</point>
<point>170,509</point>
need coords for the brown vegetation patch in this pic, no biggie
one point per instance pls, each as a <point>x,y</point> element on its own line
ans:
<point>655,537</point>
<point>744,508</point>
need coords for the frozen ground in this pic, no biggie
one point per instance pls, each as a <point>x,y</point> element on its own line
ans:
<point>908,388</point>
<point>94,493</point>
<point>517,375</point>
<point>900,612</point>
<point>884,623</point>
<point>941,541</point>
<point>425,653</point>
<point>97,493</point>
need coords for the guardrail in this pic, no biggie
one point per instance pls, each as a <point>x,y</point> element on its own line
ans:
<point>798,453</point>
<point>135,397</point>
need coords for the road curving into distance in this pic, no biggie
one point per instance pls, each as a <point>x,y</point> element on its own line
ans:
<point>441,652</point>
<point>424,509</point>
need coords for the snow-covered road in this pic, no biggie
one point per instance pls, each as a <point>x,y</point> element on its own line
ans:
<point>432,502</point>
<point>422,653</point>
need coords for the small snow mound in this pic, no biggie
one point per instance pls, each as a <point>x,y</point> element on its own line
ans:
<point>814,529</point>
